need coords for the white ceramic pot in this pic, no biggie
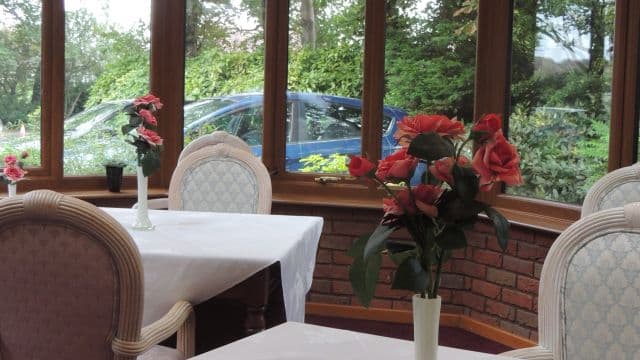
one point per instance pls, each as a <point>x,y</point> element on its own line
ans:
<point>142,211</point>
<point>11,189</point>
<point>426,322</point>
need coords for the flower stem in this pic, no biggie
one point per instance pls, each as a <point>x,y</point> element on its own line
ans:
<point>436,283</point>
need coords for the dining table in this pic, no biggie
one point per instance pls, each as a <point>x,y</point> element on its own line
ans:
<point>195,256</point>
<point>297,341</point>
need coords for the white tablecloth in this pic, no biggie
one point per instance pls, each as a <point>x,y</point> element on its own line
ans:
<point>197,255</point>
<point>295,341</point>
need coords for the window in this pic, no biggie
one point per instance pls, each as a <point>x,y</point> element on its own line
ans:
<point>20,82</point>
<point>106,65</point>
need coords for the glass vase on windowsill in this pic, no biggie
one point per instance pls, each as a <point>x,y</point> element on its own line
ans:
<point>141,133</point>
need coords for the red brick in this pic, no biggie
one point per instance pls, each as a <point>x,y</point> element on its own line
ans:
<point>323,271</point>
<point>515,329</point>
<point>501,277</point>
<point>375,303</point>
<point>476,239</point>
<point>517,298</point>
<point>386,276</point>
<point>452,309</point>
<point>530,251</point>
<point>446,295</point>
<point>527,318</point>
<point>352,227</point>
<point>518,265</point>
<point>534,336</point>
<point>469,299</point>
<point>487,257</point>
<point>452,281</point>
<point>329,299</point>
<point>499,309</point>
<point>528,285</point>
<point>492,244</point>
<point>324,256</point>
<point>341,287</point>
<point>387,263</point>
<point>537,270</point>
<point>385,291</point>
<point>321,286</point>
<point>484,288</point>
<point>484,226</point>
<point>487,319</point>
<point>458,254</point>
<point>522,234</point>
<point>469,268</point>
<point>336,242</point>
<point>341,258</point>
<point>545,239</point>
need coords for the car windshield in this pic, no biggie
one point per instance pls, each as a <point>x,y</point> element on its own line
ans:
<point>202,108</point>
<point>82,122</point>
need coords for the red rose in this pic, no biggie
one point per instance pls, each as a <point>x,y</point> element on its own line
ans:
<point>148,100</point>
<point>390,206</point>
<point>13,173</point>
<point>148,117</point>
<point>426,197</point>
<point>489,124</point>
<point>410,127</point>
<point>149,136</point>
<point>497,160</point>
<point>10,160</point>
<point>443,169</point>
<point>398,165</point>
<point>359,166</point>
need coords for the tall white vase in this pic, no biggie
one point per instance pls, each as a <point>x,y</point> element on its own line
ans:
<point>11,189</point>
<point>426,321</point>
<point>142,211</point>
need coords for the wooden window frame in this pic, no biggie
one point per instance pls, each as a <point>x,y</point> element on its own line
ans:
<point>491,95</point>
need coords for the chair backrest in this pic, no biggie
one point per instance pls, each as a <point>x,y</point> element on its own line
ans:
<point>216,137</point>
<point>617,188</point>
<point>70,279</point>
<point>589,297</point>
<point>221,178</point>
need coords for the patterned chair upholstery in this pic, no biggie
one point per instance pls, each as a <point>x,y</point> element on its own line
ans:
<point>221,178</point>
<point>589,300</point>
<point>216,137</point>
<point>619,187</point>
<point>71,283</point>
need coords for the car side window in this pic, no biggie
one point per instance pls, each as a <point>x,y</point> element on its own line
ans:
<point>326,121</point>
<point>245,123</point>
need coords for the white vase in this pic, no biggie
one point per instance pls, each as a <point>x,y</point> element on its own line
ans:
<point>11,189</point>
<point>142,211</point>
<point>426,321</point>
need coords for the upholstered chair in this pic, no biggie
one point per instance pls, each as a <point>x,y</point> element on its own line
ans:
<point>221,178</point>
<point>619,187</point>
<point>71,286</point>
<point>216,137</point>
<point>589,296</point>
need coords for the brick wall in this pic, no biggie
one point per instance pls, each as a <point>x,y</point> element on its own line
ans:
<point>495,287</point>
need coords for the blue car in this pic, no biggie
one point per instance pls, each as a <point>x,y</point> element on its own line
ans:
<point>316,123</point>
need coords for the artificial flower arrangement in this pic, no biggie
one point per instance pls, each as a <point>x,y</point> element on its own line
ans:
<point>14,168</point>
<point>142,132</point>
<point>438,210</point>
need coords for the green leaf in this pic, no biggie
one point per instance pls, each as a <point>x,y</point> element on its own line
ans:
<point>377,239</point>
<point>363,275</point>
<point>127,128</point>
<point>150,162</point>
<point>452,237</point>
<point>430,146</point>
<point>501,225</point>
<point>411,276</point>
<point>466,182</point>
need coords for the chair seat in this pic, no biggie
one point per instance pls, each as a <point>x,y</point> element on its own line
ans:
<point>161,353</point>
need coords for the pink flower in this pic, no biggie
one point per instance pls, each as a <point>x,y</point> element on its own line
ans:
<point>10,160</point>
<point>398,165</point>
<point>443,169</point>
<point>148,100</point>
<point>497,160</point>
<point>410,127</point>
<point>359,166</point>
<point>149,136</point>
<point>13,173</point>
<point>148,117</point>
<point>425,197</point>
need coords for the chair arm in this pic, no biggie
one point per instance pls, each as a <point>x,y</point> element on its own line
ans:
<point>179,319</point>
<point>155,204</point>
<point>531,353</point>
